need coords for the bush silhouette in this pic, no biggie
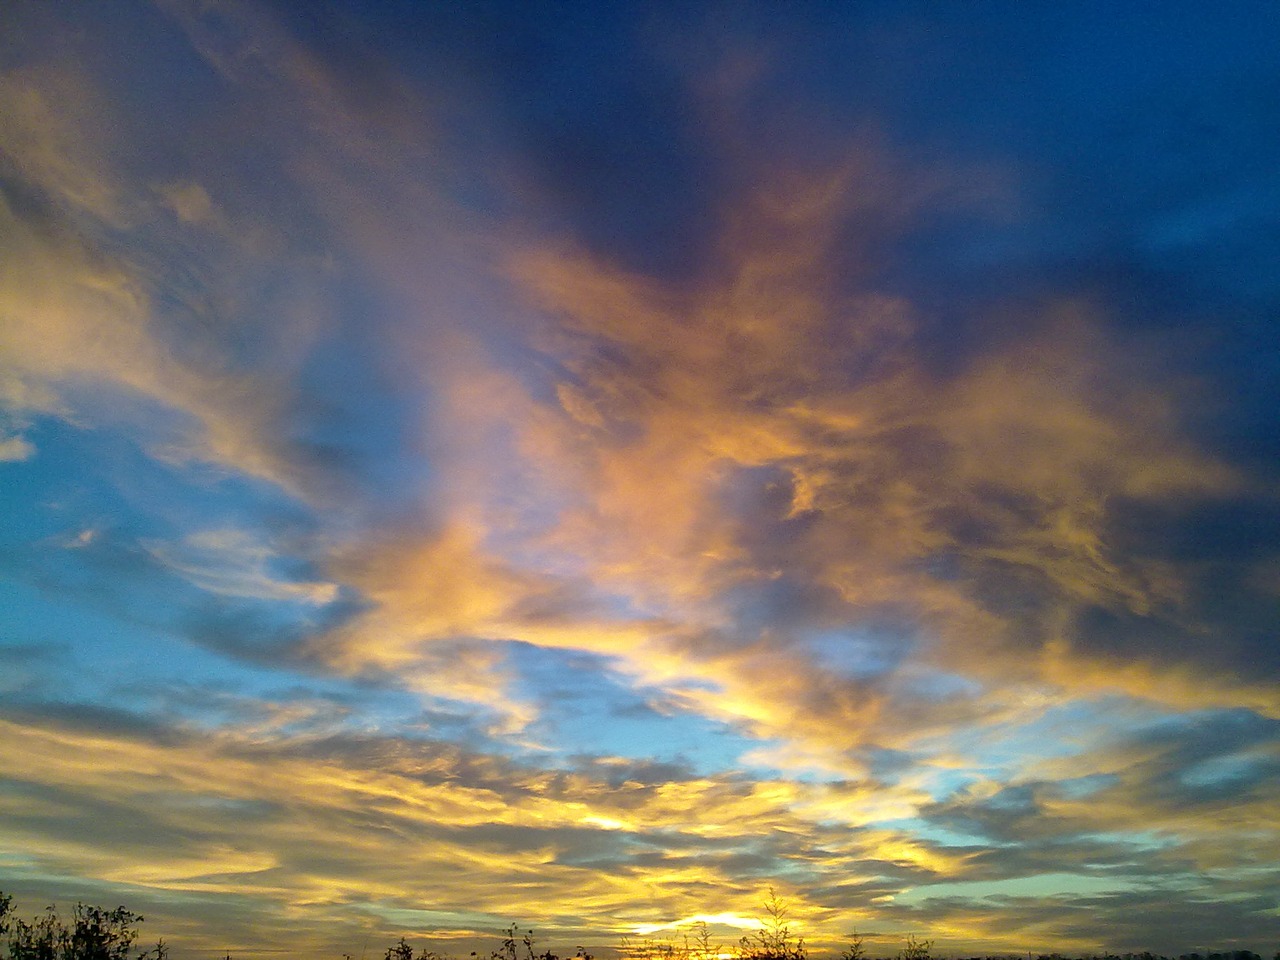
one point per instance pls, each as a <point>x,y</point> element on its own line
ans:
<point>853,950</point>
<point>773,941</point>
<point>92,933</point>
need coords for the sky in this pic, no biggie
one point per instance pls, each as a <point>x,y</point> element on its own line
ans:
<point>585,465</point>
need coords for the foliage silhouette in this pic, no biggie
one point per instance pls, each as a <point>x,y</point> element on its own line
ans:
<point>915,949</point>
<point>773,941</point>
<point>853,950</point>
<point>92,933</point>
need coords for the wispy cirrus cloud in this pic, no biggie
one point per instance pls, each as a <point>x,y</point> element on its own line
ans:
<point>83,312</point>
<point>233,563</point>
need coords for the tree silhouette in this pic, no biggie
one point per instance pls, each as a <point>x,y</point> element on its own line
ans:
<point>93,933</point>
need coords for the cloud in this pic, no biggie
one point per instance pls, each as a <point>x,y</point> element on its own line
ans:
<point>698,479</point>
<point>81,315</point>
<point>233,563</point>
<point>453,816</point>
<point>16,449</point>
<point>348,822</point>
<point>57,136</point>
<point>765,428</point>
<point>140,268</point>
<point>740,451</point>
<point>189,201</point>
<point>333,824</point>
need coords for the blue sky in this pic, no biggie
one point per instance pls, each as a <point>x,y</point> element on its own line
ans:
<point>586,465</point>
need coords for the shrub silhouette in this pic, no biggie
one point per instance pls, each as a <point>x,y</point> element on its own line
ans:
<point>773,941</point>
<point>853,949</point>
<point>92,933</point>
<point>511,942</point>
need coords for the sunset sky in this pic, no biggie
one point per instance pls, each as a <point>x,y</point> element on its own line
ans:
<point>585,464</point>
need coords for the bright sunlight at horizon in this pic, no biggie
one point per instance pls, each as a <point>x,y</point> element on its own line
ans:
<point>587,465</point>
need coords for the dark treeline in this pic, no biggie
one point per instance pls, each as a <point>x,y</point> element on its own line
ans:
<point>96,933</point>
